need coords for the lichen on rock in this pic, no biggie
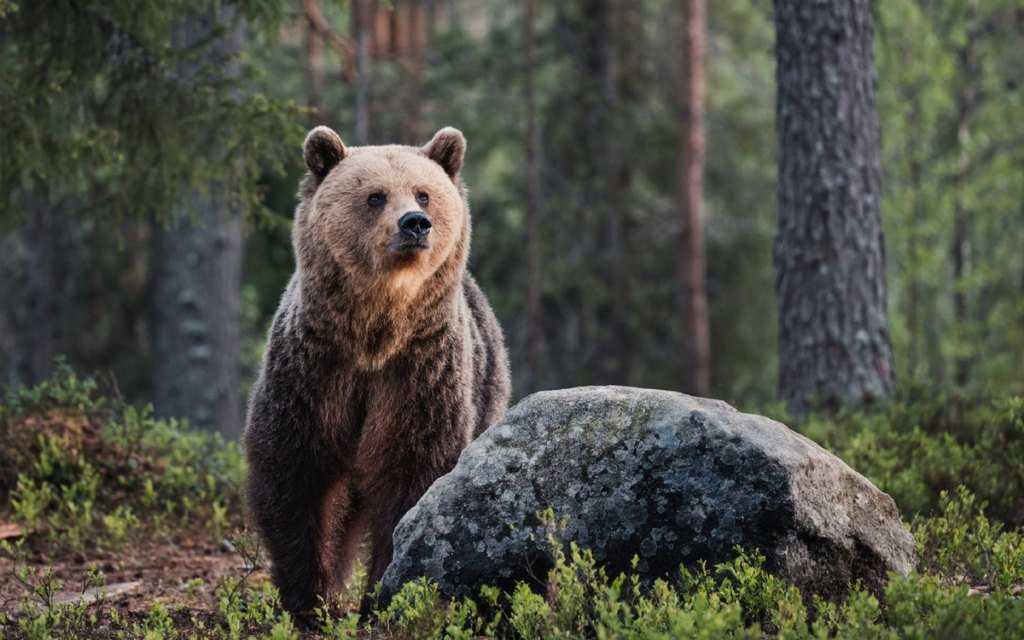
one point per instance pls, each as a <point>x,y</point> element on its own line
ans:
<point>668,478</point>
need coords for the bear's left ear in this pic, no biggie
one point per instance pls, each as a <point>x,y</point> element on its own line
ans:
<point>447,148</point>
<point>322,150</point>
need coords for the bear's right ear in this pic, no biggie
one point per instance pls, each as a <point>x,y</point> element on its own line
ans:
<point>323,149</point>
<point>447,148</point>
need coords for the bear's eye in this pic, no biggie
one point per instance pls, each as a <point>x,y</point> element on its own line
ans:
<point>377,200</point>
<point>422,198</point>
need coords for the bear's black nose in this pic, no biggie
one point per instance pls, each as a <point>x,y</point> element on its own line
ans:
<point>415,223</point>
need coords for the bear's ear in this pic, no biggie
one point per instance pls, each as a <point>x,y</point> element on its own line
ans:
<point>447,148</point>
<point>323,149</point>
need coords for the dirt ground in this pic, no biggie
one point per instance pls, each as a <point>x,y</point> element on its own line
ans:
<point>182,573</point>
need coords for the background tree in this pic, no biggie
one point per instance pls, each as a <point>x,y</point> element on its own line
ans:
<point>314,58</point>
<point>608,219</point>
<point>362,25</point>
<point>951,145</point>
<point>197,275</point>
<point>104,133</point>
<point>110,118</point>
<point>697,344</point>
<point>531,170</point>
<point>834,346</point>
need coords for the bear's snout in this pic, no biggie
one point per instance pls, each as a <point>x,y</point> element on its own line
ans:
<point>414,225</point>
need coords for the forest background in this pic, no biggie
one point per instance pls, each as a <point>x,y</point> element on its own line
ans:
<point>150,157</point>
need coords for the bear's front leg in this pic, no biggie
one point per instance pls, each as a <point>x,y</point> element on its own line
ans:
<point>397,465</point>
<point>387,500</point>
<point>287,503</point>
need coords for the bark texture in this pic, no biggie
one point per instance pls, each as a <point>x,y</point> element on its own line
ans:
<point>834,346</point>
<point>197,302</point>
<point>692,266</point>
<point>31,279</point>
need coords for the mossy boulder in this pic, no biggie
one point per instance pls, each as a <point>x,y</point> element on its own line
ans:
<point>668,478</point>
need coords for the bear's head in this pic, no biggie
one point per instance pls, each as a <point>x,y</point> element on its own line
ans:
<point>386,219</point>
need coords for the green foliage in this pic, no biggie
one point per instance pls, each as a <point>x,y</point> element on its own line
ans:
<point>923,607</point>
<point>923,443</point>
<point>964,545</point>
<point>114,108</point>
<point>419,611</point>
<point>736,599</point>
<point>90,469</point>
<point>65,389</point>
<point>100,471</point>
<point>531,614</point>
<point>338,628</point>
<point>416,611</point>
<point>941,153</point>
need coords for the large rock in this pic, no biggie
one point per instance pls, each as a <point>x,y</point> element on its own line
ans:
<point>667,477</point>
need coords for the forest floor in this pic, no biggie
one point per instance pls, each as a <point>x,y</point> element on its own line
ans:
<point>114,524</point>
<point>185,575</point>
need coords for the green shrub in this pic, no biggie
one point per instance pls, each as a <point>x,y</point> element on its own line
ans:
<point>925,607</point>
<point>88,468</point>
<point>966,547</point>
<point>924,443</point>
<point>94,469</point>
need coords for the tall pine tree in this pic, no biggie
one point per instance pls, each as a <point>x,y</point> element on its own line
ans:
<point>834,346</point>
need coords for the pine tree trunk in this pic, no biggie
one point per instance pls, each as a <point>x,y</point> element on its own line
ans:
<point>913,244</point>
<point>413,54</point>
<point>596,85</point>
<point>362,24</point>
<point>967,99</point>
<point>531,144</point>
<point>30,286</point>
<point>626,88</point>
<point>314,68</point>
<point>197,302</point>
<point>692,270</point>
<point>834,346</point>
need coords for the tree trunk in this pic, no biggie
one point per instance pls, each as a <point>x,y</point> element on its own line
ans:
<point>967,99</point>
<point>531,144</point>
<point>30,286</point>
<point>834,346</point>
<point>692,270</point>
<point>626,90</point>
<point>362,22</point>
<point>413,52</point>
<point>913,250</point>
<point>597,89</point>
<point>197,302</point>
<point>314,68</point>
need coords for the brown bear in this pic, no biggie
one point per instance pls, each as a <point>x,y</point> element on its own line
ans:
<point>383,362</point>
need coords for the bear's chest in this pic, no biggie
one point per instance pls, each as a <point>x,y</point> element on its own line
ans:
<point>341,407</point>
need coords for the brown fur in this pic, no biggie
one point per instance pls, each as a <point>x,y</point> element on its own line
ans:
<point>380,366</point>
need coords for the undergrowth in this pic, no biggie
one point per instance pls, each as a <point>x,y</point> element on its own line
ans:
<point>84,469</point>
<point>926,441</point>
<point>84,472</point>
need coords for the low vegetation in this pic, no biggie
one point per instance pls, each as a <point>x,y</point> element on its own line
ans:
<point>119,525</point>
<point>928,441</point>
